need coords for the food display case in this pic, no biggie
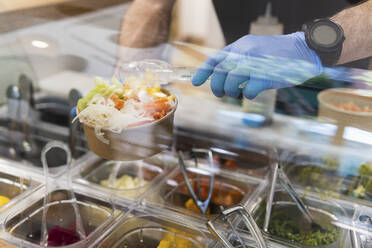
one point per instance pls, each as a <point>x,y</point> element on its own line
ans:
<point>192,170</point>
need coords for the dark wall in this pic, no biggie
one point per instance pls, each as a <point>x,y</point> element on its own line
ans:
<point>235,16</point>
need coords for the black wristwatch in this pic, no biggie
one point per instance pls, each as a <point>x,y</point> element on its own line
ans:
<point>326,38</point>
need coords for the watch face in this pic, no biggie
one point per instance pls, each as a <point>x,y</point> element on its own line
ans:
<point>324,35</point>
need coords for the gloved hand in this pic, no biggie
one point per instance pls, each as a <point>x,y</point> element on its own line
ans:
<point>256,63</point>
<point>73,112</point>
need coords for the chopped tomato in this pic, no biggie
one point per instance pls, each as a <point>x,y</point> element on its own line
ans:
<point>230,163</point>
<point>158,108</point>
<point>119,103</point>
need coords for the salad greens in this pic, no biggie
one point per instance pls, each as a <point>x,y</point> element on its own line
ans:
<point>101,88</point>
<point>285,226</point>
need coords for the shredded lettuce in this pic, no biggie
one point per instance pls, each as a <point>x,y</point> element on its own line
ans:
<point>102,88</point>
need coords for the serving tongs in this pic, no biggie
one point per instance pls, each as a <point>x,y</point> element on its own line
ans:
<point>278,175</point>
<point>361,230</point>
<point>200,203</point>
<point>46,201</point>
<point>248,220</point>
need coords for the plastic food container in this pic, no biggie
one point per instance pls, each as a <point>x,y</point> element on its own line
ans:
<point>134,143</point>
<point>124,179</point>
<point>285,214</point>
<point>232,155</point>
<point>14,185</point>
<point>150,231</point>
<point>24,226</point>
<point>174,195</point>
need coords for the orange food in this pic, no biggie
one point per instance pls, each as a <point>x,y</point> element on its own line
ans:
<point>230,163</point>
<point>119,103</point>
<point>158,108</point>
<point>351,106</point>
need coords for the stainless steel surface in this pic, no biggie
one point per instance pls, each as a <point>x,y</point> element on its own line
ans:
<point>248,221</point>
<point>201,204</point>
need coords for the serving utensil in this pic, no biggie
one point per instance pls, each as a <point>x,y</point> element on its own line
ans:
<point>201,204</point>
<point>248,220</point>
<point>278,175</point>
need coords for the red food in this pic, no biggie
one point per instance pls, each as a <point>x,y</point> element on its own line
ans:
<point>59,236</point>
<point>230,163</point>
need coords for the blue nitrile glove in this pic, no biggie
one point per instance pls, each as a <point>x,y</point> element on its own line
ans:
<point>256,63</point>
<point>73,112</point>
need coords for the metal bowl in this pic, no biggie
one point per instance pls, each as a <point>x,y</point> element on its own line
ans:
<point>134,143</point>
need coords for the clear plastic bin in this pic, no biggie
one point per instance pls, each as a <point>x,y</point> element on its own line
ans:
<point>173,193</point>
<point>130,180</point>
<point>24,226</point>
<point>147,230</point>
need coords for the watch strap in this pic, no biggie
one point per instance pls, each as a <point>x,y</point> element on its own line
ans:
<point>328,56</point>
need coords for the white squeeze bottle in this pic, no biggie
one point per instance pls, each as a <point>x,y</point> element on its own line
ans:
<point>262,107</point>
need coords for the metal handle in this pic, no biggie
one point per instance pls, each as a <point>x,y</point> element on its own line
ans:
<point>279,175</point>
<point>248,221</point>
<point>202,205</point>
<point>287,185</point>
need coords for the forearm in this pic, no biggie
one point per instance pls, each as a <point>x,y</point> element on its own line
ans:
<point>146,23</point>
<point>357,25</point>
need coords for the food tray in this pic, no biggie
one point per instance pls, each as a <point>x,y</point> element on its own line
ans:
<point>148,172</point>
<point>14,184</point>
<point>144,228</point>
<point>328,213</point>
<point>172,193</point>
<point>22,226</point>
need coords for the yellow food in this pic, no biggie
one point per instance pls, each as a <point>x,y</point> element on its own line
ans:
<point>124,182</point>
<point>175,240</point>
<point>190,205</point>
<point>3,200</point>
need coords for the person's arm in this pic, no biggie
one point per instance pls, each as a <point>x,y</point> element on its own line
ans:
<point>146,23</point>
<point>144,28</point>
<point>357,25</point>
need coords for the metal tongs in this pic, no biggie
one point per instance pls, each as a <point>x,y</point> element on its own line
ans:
<point>248,220</point>
<point>360,235</point>
<point>278,175</point>
<point>200,203</point>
